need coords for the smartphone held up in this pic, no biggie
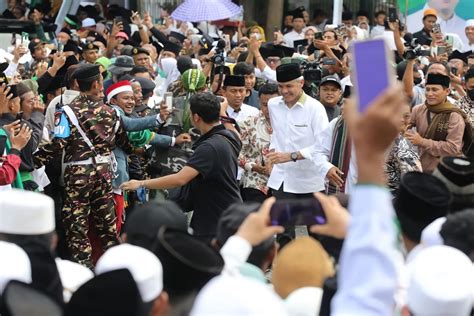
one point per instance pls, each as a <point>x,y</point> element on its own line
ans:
<point>297,212</point>
<point>372,70</point>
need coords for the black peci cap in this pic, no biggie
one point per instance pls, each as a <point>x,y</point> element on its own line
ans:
<point>234,81</point>
<point>288,72</point>
<point>87,72</point>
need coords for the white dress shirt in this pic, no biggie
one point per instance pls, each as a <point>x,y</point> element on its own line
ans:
<point>369,263</point>
<point>292,36</point>
<point>377,30</point>
<point>295,129</point>
<point>267,74</point>
<point>321,153</point>
<point>454,25</point>
<point>245,111</point>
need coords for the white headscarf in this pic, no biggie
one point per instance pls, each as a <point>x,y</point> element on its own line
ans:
<point>170,68</point>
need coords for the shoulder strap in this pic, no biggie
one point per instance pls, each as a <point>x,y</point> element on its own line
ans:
<point>73,118</point>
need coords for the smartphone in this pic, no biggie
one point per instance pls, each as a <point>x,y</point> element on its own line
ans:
<point>372,70</point>
<point>3,144</point>
<point>454,71</point>
<point>118,19</point>
<point>169,100</point>
<point>318,36</point>
<point>19,116</point>
<point>392,15</point>
<point>25,37</point>
<point>450,40</point>
<point>297,212</point>
<point>441,50</point>
<point>60,47</point>
<point>329,61</point>
<point>425,52</point>
<point>436,28</point>
<point>347,92</point>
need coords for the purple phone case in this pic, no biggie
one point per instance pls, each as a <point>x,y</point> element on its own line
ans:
<point>371,71</point>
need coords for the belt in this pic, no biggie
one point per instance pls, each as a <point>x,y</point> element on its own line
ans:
<point>90,161</point>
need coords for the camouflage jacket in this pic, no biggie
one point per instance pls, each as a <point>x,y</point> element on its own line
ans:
<point>101,125</point>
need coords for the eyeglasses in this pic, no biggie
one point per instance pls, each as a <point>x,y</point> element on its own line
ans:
<point>273,60</point>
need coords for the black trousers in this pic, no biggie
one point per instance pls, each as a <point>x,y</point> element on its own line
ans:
<point>253,195</point>
<point>280,194</point>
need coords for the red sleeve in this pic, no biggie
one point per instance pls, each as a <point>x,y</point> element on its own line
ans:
<point>9,169</point>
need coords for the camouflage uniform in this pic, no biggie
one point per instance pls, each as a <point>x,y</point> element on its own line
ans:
<point>177,88</point>
<point>88,180</point>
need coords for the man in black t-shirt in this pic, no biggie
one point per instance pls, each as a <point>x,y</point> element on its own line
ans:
<point>211,171</point>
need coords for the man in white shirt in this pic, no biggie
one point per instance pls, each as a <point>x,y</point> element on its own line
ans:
<point>235,92</point>
<point>447,18</point>
<point>297,33</point>
<point>297,121</point>
<point>469,30</point>
<point>379,27</point>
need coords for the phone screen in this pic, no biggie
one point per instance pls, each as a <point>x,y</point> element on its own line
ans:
<point>371,69</point>
<point>3,144</point>
<point>169,100</point>
<point>318,36</point>
<point>442,50</point>
<point>392,15</point>
<point>297,212</point>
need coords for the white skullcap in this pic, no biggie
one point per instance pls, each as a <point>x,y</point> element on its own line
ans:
<point>430,235</point>
<point>26,213</point>
<point>441,283</point>
<point>144,266</point>
<point>73,276</point>
<point>469,23</point>
<point>305,301</point>
<point>236,296</point>
<point>14,265</point>
<point>88,22</point>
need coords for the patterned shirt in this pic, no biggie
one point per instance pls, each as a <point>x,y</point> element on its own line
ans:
<point>402,159</point>
<point>255,135</point>
<point>467,105</point>
<point>98,121</point>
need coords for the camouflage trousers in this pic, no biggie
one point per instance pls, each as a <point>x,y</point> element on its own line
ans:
<point>88,195</point>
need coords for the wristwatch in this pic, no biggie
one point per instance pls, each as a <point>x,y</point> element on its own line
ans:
<point>294,156</point>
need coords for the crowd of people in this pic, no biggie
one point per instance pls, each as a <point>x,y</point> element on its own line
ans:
<point>140,164</point>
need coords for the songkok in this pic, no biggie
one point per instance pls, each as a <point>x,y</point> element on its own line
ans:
<point>144,266</point>
<point>184,63</point>
<point>180,37</point>
<point>430,12</point>
<point>73,276</point>
<point>89,46</point>
<point>88,22</point>
<point>298,13</point>
<point>172,47</point>
<point>311,269</point>
<point>111,293</point>
<point>26,213</point>
<point>232,295</point>
<point>288,72</point>
<point>140,50</point>
<point>119,87</point>
<point>15,265</point>
<point>438,79</point>
<point>421,199</point>
<point>193,80</point>
<point>66,30</point>
<point>234,81</point>
<point>458,55</point>
<point>122,64</point>
<point>431,234</point>
<point>20,298</point>
<point>188,263</point>
<point>441,280</point>
<point>87,72</point>
<point>304,301</point>
<point>457,173</point>
<point>71,47</point>
<point>469,23</point>
<point>147,219</point>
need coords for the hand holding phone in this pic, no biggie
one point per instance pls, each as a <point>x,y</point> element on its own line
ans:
<point>297,212</point>
<point>169,101</point>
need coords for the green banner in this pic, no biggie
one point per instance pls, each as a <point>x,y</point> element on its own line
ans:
<point>464,8</point>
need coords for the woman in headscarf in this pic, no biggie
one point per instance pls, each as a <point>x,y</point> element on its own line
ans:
<point>257,31</point>
<point>169,72</point>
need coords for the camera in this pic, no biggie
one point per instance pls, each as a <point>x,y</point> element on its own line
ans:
<point>412,49</point>
<point>312,71</point>
<point>219,58</point>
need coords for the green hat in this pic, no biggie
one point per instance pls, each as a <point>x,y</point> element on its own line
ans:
<point>193,79</point>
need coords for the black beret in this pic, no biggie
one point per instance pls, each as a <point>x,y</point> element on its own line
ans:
<point>89,46</point>
<point>87,72</point>
<point>288,72</point>
<point>421,199</point>
<point>234,81</point>
<point>140,50</point>
<point>180,37</point>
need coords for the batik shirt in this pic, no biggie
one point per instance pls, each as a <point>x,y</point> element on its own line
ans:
<point>467,105</point>
<point>402,159</point>
<point>255,137</point>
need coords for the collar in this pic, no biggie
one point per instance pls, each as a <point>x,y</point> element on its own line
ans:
<point>302,100</point>
<point>216,129</point>
<point>253,272</point>
<point>71,92</point>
